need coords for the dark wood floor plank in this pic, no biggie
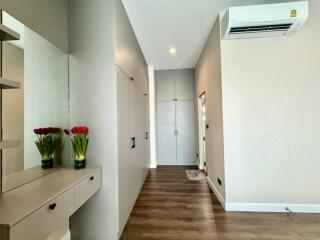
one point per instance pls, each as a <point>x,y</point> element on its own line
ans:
<point>170,207</point>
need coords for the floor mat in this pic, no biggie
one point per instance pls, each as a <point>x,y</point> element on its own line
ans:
<point>195,175</point>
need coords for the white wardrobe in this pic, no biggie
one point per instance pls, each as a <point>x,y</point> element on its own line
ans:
<point>133,141</point>
<point>175,117</point>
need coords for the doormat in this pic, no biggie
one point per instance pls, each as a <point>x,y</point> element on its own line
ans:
<point>195,175</point>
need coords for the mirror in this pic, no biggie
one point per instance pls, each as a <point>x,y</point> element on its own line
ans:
<point>41,100</point>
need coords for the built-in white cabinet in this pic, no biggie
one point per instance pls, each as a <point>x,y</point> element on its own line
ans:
<point>36,210</point>
<point>133,142</point>
<point>166,138</point>
<point>184,85</point>
<point>175,117</point>
<point>185,125</point>
<point>129,56</point>
<point>165,88</point>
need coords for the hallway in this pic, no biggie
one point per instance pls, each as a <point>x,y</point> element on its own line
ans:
<point>170,207</point>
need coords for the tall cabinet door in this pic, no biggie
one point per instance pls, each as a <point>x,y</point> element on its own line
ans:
<point>139,129</point>
<point>147,135</point>
<point>184,86</point>
<point>165,89</point>
<point>166,139</point>
<point>186,132</point>
<point>125,163</point>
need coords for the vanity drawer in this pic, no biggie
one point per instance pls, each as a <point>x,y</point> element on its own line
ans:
<point>40,224</point>
<point>85,189</point>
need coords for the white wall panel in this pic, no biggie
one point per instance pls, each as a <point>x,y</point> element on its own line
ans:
<point>93,102</point>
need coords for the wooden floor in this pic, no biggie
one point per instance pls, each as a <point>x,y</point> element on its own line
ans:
<point>170,207</point>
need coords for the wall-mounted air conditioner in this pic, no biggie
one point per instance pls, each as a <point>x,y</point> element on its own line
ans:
<point>269,20</point>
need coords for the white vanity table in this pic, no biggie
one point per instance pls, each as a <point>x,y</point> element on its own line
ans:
<point>37,209</point>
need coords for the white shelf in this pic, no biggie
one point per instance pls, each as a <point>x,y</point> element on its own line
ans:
<point>9,144</point>
<point>6,34</point>
<point>8,84</point>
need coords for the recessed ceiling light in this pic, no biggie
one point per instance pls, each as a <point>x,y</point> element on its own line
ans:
<point>173,51</point>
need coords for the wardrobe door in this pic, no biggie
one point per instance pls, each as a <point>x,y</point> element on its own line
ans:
<point>186,133</point>
<point>164,87</point>
<point>147,136</point>
<point>184,85</point>
<point>166,139</point>
<point>125,161</point>
<point>139,115</point>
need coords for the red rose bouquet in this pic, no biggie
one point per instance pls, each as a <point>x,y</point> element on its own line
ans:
<point>80,141</point>
<point>47,141</point>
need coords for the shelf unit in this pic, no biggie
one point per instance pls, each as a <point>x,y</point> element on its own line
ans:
<point>6,34</point>
<point>8,84</point>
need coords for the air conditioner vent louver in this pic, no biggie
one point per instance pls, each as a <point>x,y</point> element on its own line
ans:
<point>261,28</point>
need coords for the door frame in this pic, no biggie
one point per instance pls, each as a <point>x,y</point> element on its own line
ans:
<point>201,133</point>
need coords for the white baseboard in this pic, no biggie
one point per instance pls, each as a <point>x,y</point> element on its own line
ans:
<point>178,164</point>
<point>263,207</point>
<point>272,207</point>
<point>153,165</point>
<point>217,193</point>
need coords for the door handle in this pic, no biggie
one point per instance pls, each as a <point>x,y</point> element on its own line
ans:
<point>52,206</point>
<point>146,134</point>
<point>133,142</point>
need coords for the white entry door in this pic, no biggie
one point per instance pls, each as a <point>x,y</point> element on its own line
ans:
<point>166,139</point>
<point>185,133</point>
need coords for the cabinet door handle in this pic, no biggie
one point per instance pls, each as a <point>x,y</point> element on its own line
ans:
<point>133,142</point>
<point>52,206</point>
<point>92,178</point>
<point>146,135</point>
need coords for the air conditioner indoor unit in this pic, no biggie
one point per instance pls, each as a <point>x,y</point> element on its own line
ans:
<point>268,20</point>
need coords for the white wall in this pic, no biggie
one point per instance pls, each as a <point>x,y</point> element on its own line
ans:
<point>271,116</point>
<point>208,79</point>
<point>152,110</point>
<point>48,18</point>
<point>93,103</point>
<point>45,92</point>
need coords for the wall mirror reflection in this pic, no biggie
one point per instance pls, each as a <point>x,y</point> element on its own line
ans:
<point>34,92</point>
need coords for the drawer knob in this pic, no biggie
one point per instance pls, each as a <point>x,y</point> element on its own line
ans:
<point>91,178</point>
<point>52,206</point>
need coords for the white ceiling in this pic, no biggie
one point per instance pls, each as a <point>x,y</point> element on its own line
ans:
<point>183,24</point>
